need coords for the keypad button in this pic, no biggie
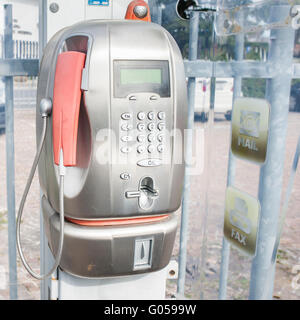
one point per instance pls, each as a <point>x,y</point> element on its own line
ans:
<point>161,126</point>
<point>160,137</point>
<point>126,127</point>
<point>151,148</point>
<point>126,149</point>
<point>151,115</point>
<point>126,116</point>
<point>127,138</point>
<point>141,115</point>
<point>141,149</point>
<point>160,148</point>
<point>151,137</point>
<point>125,176</point>
<point>149,163</point>
<point>141,138</point>
<point>141,126</point>
<point>151,126</point>
<point>161,115</point>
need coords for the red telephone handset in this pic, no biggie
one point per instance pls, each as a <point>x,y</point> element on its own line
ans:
<point>66,105</point>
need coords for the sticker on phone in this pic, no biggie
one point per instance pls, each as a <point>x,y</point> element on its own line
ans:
<point>98,2</point>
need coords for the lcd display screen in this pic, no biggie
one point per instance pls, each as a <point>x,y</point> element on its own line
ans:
<point>140,76</point>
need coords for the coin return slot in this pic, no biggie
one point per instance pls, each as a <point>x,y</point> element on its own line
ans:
<point>147,193</point>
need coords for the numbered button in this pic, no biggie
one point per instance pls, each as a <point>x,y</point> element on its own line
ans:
<point>141,149</point>
<point>161,126</point>
<point>126,138</point>
<point>141,115</point>
<point>151,148</point>
<point>126,116</point>
<point>126,127</point>
<point>141,138</point>
<point>126,149</point>
<point>151,137</point>
<point>160,148</point>
<point>141,126</point>
<point>161,115</point>
<point>160,137</point>
<point>151,126</point>
<point>151,115</point>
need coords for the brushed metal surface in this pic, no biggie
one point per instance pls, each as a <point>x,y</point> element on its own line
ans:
<point>93,189</point>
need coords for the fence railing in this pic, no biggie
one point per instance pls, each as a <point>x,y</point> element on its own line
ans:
<point>26,49</point>
<point>22,49</point>
<point>24,87</point>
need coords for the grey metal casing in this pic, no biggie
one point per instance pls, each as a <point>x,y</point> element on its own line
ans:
<point>96,252</point>
<point>93,189</point>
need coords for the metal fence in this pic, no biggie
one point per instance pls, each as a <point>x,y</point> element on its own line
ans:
<point>24,87</point>
<point>279,71</point>
<point>21,49</point>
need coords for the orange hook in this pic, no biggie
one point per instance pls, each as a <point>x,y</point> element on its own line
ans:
<point>138,10</point>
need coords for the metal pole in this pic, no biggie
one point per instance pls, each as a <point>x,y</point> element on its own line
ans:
<point>270,184</point>
<point>193,46</point>
<point>159,14</point>
<point>43,239</point>
<point>239,53</point>
<point>10,156</point>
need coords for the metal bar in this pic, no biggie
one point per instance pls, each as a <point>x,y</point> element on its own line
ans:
<point>19,67</point>
<point>10,154</point>
<point>193,48</point>
<point>270,184</point>
<point>24,50</point>
<point>237,89</point>
<point>43,239</point>
<point>159,13</point>
<point>209,145</point>
<point>244,69</point>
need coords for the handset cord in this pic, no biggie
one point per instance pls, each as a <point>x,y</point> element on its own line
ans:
<point>61,207</point>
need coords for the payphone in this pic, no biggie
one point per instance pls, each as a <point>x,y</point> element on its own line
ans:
<point>111,168</point>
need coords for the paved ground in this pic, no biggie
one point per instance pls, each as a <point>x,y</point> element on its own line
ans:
<point>205,229</point>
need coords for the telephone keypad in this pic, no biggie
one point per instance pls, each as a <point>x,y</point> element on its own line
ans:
<point>148,137</point>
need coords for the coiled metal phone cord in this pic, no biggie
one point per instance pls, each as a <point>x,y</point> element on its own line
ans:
<point>61,207</point>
